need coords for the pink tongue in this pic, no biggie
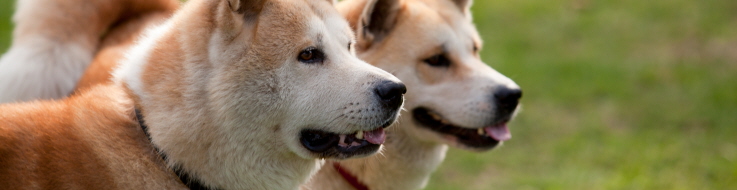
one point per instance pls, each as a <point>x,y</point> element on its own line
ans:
<point>499,132</point>
<point>376,136</point>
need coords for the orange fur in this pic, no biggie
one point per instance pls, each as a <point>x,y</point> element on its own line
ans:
<point>95,135</point>
<point>55,40</point>
<point>114,45</point>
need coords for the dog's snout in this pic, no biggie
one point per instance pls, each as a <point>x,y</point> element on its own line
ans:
<point>391,93</point>
<point>507,99</point>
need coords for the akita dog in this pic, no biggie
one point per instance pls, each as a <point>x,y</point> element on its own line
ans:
<point>453,98</point>
<point>227,94</point>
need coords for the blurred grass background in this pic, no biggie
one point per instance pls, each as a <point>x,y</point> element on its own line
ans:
<point>6,26</point>
<point>625,94</point>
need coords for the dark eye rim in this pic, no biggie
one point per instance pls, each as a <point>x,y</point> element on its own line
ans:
<point>317,55</point>
<point>438,60</point>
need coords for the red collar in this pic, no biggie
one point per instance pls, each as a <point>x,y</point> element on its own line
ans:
<point>351,179</point>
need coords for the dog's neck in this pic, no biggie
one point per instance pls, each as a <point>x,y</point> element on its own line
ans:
<point>193,184</point>
<point>404,163</point>
<point>229,161</point>
<point>222,165</point>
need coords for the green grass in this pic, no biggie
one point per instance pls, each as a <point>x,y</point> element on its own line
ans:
<point>6,28</point>
<point>625,94</point>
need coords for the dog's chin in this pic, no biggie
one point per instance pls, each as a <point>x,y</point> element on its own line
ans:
<point>331,145</point>
<point>478,139</point>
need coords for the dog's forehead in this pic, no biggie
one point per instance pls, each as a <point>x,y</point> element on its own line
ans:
<point>461,25</point>
<point>321,7</point>
<point>319,16</point>
<point>450,27</point>
<point>289,25</point>
<point>332,28</point>
<point>302,9</point>
<point>450,20</point>
<point>330,21</point>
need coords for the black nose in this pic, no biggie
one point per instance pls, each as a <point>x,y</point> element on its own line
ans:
<point>507,99</point>
<point>390,93</point>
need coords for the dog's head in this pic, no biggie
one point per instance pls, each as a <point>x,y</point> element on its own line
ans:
<point>255,80</point>
<point>433,47</point>
<point>327,102</point>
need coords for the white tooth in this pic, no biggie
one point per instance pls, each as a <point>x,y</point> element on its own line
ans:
<point>359,135</point>
<point>480,131</point>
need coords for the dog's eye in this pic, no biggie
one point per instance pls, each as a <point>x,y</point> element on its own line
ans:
<point>438,60</point>
<point>311,55</point>
<point>306,55</point>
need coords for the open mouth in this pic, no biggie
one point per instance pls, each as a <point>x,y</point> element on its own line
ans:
<point>342,146</point>
<point>479,138</point>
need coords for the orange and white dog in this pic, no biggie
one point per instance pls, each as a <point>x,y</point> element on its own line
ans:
<point>226,94</point>
<point>55,40</point>
<point>453,97</point>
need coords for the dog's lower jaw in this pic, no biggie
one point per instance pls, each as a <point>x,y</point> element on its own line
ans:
<point>396,167</point>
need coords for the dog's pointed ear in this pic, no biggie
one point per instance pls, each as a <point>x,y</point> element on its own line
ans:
<point>464,5</point>
<point>376,21</point>
<point>233,14</point>
<point>246,7</point>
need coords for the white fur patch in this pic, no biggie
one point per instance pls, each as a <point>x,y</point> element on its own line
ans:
<point>129,70</point>
<point>41,68</point>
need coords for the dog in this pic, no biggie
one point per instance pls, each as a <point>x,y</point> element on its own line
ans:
<point>453,99</point>
<point>226,94</point>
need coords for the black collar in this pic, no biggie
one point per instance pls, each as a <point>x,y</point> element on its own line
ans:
<point>193,184</point>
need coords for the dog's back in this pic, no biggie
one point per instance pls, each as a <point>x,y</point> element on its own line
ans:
<point>55,40</point>
<point>94,135</point>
